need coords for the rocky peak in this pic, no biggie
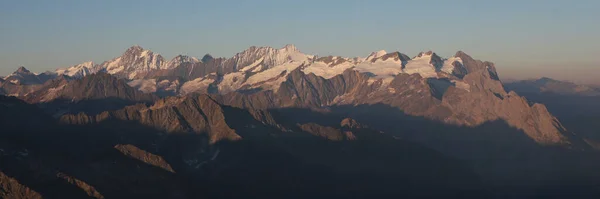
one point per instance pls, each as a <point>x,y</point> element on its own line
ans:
<point>268,56</point>
<point>87,64</point>
<point>22,70</point>
<point>133,62</point>
<point>77,71</point>
<point>207,58</point>
<point>428,53</point>
<point>397,56</point>
<point>461,54</point>
<point>134,50</point>
<point>181,59</point>
<point>376,54</point>
<point>473,65</point>
<point>185,58</point>
<point>290,48</point>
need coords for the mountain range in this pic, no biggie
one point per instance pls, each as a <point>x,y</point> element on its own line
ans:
<point>434,126</point>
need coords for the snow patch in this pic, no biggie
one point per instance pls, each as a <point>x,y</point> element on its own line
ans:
<point>253,65</point>
<point>231,82</point>
<point>421,66</point>
<point>196,85</point>
<point>448,66</point>
<point>324,70</point>
<point>375,55</point>
<point>272,73</point>
<point>144,85</point>
<point>77,71</point>
<point>114,70</point>
<point>385,70</point>
<point>144,53</point>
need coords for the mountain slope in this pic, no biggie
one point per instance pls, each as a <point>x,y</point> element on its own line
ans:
<point>93,93</point>
<point>575,105</point>
<point>78,71</point>
<point>545,84</point>
<point>22,76</point>
<point>135,60</point>
<point>472,100</point>
<point>247,143</point>
<point>185,114</point>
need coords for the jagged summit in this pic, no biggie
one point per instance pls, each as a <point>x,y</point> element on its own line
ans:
<point>22,69</point>
<point>134,49</point>
<point>376,54</point>
<point>77,71</point>
<point>290,47</point>
<point>428,53</point>
<point>461,53</point>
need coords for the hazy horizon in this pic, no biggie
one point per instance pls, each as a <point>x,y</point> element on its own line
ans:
<point>534,39</point>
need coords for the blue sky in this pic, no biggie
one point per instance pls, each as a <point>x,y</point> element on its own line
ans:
<point>533,38</point>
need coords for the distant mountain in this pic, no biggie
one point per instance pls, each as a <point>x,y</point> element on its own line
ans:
<point>23,82</point>
<point>134,61</point>
<point>25,77</point>
<point>192,128</point>
<point>96,92</point>
<point>575,105</point>
<point>457,90</point>
<point>546,84</point>
<point>78,71</point>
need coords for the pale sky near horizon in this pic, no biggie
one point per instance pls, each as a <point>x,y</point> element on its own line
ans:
<point>526,39</point>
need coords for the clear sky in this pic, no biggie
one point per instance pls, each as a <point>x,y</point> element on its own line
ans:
<point>525,38</point>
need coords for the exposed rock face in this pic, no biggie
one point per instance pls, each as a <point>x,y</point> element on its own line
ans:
<point>85,162</point>
<point>144,156</point>
<point>134,61</point>
<point>350,123</point>
<point>476,98</point>
<point>10,89</point>
<point>92,87</point>
<point>459,90</point>
<point>200,115</point>
<point>181,59</point>
<point>11,188</point>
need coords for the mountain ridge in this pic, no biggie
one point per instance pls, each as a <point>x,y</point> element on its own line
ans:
<point>458,90</point>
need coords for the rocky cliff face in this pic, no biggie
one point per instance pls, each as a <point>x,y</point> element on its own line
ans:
<point>472,100</point>
<point>200,115</point>
<point>93,87</point>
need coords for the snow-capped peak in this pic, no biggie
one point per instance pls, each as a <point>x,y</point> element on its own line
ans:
<point>135,49</point>
<point>134,61</point>
<point>77,71</point>
<point>181,59</point>
<point>290,48</point>
<point>271,56</point>
<point>377,54</point>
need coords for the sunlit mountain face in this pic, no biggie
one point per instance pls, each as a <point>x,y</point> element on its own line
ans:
<point>279,123</point>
